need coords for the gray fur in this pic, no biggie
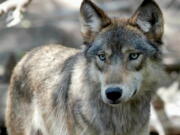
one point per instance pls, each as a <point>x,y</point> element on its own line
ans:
<point>56,90</point>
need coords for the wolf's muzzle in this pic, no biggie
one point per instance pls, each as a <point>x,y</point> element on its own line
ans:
<point>114,94</point>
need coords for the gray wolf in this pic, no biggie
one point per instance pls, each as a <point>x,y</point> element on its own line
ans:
<point>103,89</point>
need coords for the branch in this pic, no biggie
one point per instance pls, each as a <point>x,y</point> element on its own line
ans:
<point>16,7</point>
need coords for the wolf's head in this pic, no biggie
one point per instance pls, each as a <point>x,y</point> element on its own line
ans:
<point>122,52</point>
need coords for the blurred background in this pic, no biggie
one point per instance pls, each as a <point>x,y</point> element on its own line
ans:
<point>57,22</point>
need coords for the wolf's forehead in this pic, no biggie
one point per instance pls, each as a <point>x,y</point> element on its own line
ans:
<point>122,36</point>
<point>118,38</point>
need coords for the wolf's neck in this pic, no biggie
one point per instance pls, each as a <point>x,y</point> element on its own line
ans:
<point>120,119</point>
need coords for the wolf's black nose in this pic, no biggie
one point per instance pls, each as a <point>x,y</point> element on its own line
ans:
<point>114,94</point>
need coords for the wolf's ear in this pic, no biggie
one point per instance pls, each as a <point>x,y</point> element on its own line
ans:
<point>93,20</point>
<point>148,17</point>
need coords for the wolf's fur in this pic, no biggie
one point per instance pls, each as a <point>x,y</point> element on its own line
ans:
<point>56,90</point>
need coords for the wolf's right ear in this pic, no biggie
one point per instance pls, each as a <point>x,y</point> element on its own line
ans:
<point>93,20</point>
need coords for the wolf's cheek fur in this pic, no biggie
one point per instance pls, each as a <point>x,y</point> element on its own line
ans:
<point>132,85</point>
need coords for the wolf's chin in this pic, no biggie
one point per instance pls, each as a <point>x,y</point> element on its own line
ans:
<point>111,103</point>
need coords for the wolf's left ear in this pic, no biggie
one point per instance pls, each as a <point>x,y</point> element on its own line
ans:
<point>148,17</point>
<point>93,20</point>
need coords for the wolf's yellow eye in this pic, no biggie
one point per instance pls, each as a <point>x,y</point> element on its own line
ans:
<point>134,56</point>
<point>102,57</point>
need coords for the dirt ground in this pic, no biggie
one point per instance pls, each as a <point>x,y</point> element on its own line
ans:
<point>57,21</point>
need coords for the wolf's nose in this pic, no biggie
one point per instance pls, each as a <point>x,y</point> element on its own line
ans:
<point>114,94</point>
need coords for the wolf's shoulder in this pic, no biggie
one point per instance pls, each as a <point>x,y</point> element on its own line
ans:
<point>44,61</point>
<point>48,54</point>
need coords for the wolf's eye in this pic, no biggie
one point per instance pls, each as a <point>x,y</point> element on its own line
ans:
<point>134,56</point>
<point>102,57</point>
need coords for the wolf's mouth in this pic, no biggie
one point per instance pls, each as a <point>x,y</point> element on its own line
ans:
<point>113,103</point>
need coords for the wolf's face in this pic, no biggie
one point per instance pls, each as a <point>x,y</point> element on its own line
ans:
<point>120,55</point>
<point>121,51</point>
